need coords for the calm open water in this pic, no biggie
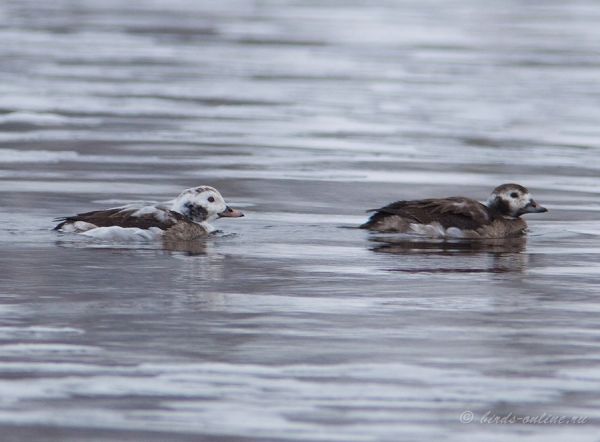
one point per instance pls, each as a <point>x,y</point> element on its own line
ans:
<point>289,326</point>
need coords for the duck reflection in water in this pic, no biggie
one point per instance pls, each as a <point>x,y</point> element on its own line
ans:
<point>190,248</point>
<point>497,255</point>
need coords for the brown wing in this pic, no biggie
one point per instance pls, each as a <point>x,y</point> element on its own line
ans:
<point>463,213</point>
<point>124,217</point>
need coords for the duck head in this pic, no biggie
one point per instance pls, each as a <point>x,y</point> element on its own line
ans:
<point>203,204</point>
<point>513,200</point>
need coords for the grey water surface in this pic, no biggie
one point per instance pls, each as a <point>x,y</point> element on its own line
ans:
<point>291,325</point>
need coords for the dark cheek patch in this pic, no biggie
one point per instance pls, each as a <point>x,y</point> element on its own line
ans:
<point>500,206</point>
<point>503,206</point>
<point>195,212</point>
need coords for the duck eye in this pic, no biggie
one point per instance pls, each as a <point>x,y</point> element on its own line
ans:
<point>514,195</point>
<point>211,199</point>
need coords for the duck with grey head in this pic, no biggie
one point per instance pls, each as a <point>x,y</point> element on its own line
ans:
<point>459,217</point>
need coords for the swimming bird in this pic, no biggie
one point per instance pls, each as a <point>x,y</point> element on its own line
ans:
<point>183,218</point>
<point>459,217</point>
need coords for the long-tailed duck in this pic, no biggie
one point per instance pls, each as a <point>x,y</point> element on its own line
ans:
<point>182,219</point>
<point>459,217</point>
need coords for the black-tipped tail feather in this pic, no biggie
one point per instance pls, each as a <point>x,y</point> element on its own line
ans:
<point>62,220</point>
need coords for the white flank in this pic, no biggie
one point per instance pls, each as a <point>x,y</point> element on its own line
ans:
<point>77,227</point>
<point>434,230</point>
<point>454,232</point>
<point>124,233</point>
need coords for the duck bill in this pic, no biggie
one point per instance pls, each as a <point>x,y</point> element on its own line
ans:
<point>533,207</point>
<point>230,213</point>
